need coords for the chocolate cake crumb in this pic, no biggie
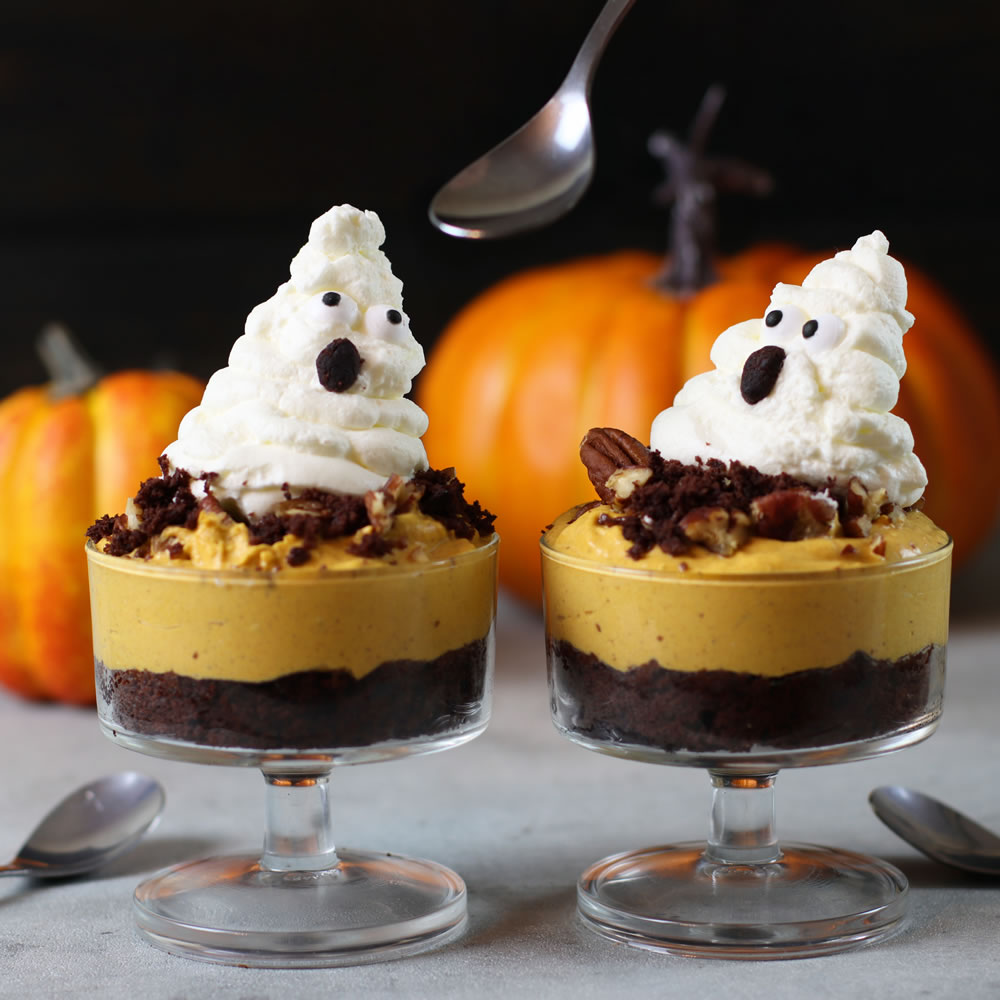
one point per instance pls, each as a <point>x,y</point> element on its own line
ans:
<point>443,498</point>
<point>297,556</point>
<point>101,528</point>
<point>372,545</point>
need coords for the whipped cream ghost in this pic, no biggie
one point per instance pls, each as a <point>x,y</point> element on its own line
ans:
<point>313,395</point>
<point>808,388</point>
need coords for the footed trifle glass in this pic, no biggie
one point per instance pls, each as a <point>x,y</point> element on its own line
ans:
<point>296,674</point>
<point>743,675</point>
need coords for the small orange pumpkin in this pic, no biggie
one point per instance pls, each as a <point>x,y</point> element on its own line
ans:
<point>69,452</point>
<point>526,368</point>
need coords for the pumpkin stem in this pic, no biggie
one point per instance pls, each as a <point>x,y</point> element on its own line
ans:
<point>693,181</point>
<point>70,371</point>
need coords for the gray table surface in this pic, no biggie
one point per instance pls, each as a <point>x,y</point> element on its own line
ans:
<point>518,812</point>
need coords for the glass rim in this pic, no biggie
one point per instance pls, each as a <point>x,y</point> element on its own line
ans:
<point>834,574</point>
<point>272,577</point>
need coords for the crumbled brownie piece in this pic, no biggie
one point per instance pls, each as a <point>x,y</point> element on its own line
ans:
<point>297,556</point>
<point>313,516</point>
<point>101,528</point>
<point>165,501</point>
<point>373,544</point>
<point>443,498</point>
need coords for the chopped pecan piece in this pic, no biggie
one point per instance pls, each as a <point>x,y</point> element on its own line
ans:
<point>395,497</point>
<point>605,451</point>
<point>791,515</point>
<point>718,529</point>
<point>622,483</point>
<point>862,506</point>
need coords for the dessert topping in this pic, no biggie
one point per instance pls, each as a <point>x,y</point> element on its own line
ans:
<point>311,517</point>
<point>715,505</point>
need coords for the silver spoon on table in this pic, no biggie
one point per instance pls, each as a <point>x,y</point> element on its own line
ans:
<point>541,171</point>
<point>90,826</point>
<point>941,832</point>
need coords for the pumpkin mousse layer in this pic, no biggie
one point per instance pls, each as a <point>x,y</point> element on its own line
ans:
<point>771,609</point>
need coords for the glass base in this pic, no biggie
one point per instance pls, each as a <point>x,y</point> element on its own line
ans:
<point>763,758</point>
<point>812,901</point>
<point>290,760</point>
<point>367,908</point>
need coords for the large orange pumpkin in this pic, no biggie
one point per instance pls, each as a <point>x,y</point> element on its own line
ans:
<point>526,368</point>
<point>65,459</point>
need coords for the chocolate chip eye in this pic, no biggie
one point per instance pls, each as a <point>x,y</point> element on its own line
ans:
<point>823,332</point>
<point>328,309</point>
<point>784,325</point>
<point>386,323</point>
<point>338,365</point>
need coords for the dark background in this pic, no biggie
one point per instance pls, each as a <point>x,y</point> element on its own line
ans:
<point>160,165</point>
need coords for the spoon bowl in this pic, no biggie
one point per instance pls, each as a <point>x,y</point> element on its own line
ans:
<point>541,171</point>
<point>936,829</point>
<point>90,826</point>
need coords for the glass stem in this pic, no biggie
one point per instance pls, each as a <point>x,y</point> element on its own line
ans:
<point>742,830</point>
<point>299,835</point>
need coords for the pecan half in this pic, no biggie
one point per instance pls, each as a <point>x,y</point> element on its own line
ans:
<point>791,515</point>
<point>718,529</point>
<point>606,450</point>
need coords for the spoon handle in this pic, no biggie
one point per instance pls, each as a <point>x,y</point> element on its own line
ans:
<point>581,73</point>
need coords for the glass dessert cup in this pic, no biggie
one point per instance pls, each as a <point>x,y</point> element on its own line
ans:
<point>295,675</point>
<point>744,675</point>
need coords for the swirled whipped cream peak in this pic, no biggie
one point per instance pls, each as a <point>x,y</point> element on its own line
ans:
<point>806,389</point>
<point>314,392</point>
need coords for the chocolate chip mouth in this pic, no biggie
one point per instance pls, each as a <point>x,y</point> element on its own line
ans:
<point>760,373</point>
<point>338,365</point>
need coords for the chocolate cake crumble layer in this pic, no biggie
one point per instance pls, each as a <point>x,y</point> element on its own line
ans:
<point>311,710</point>
<point>721,710</point>
<point>313,515</point>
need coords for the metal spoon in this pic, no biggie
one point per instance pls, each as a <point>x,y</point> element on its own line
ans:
<point>90,827</point>
<point>941,832</point>
<point>541,171</point>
